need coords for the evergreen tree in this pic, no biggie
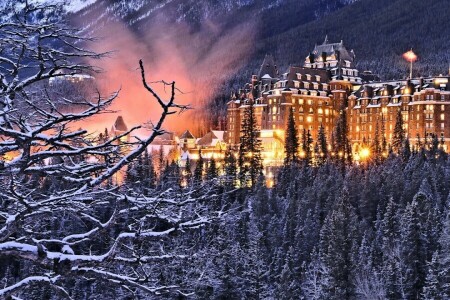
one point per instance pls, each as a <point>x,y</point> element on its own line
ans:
<point>383,136</point>
<point>307,143</point>
<point>398,137</point>
<point>212,171</point>
<point>444,255</point>
<point>376,146</point>
<point>291,143</point>
<point>412,252</point>
<point>250,162</point>
<point>230,170</point>
<point>187,174</point>
<point>342,147</point>
<point>322,145</point>
<point>199,169</point>
<point>431,288</point>
<point>316,283</point>
<point>337,240</point>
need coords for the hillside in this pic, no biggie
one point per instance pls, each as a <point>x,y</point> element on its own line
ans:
<point>221,43</point>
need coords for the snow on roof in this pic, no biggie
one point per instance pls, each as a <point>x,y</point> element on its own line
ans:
<point>219,134</point>
<point>266,76</point>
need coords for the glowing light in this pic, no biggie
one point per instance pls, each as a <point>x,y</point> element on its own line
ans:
<point>364,153</point>
<point>410,56</point>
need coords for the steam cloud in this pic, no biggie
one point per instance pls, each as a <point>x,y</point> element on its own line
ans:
<point>198,61</point>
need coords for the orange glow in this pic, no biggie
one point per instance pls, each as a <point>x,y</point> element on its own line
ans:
<point>199,61</point>
<point>410,56</point>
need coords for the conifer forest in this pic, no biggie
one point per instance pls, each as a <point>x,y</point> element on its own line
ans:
<point>107,216</point>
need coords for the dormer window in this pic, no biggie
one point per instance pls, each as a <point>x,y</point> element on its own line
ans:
<point>308,77</point>
<point>317,78</point>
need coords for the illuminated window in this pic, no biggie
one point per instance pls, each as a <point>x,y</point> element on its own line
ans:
<point>310,102</point>
<point>442,107</point>
<point>309,119</point>
<point>320,111</point>
<point>442,126</point>
<point>442,117</point>
<point>300,101</point>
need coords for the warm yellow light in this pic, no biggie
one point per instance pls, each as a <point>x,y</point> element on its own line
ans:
<point>364,153</point>
<point>309,119</point>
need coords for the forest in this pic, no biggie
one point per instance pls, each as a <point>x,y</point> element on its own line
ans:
<point>329,228</point>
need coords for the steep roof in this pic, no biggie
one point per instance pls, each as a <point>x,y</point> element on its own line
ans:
<point>187,135</point>
<point>331,48</point>
<point>268,67</point>
<point>211,138</point>
<point>120,125</point>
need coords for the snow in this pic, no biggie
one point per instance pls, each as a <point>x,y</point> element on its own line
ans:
<point>71,5</point>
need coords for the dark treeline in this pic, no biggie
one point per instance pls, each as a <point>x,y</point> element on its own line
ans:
<point>377,231</point>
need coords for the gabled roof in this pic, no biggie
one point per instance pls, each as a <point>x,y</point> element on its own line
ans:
<point>119,125</point>
<point>211,138</point>
<point>268,67</point>
<point>187,135</point>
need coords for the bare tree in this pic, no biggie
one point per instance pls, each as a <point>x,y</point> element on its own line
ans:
<point>61,222</point>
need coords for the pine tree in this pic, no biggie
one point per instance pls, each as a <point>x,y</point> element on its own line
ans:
<point>431,288</point>
<point>337,239</point>
<point>412,252</point>
<point>398,137</point>
<point>342,147</point>
<point>444,255</point>
<point>383,136</point>
<point>198,171</point>
<point>376,144</point>
<point>291,143</point>
<point>316,283</point>
<point>187,174</point>
<point>212,172</point>
<point>307,143</point>
<point>230,170</point>
<point>250,162</point>
<point>322,145</point>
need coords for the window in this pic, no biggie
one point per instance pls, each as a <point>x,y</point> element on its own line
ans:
<point>442,107</point>
<point>300,101</point>
<point>442,117</point>
<point>310,102</point>
<point>320,111</point>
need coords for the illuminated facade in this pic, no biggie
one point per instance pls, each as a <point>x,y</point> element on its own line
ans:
<point>327,82</point>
